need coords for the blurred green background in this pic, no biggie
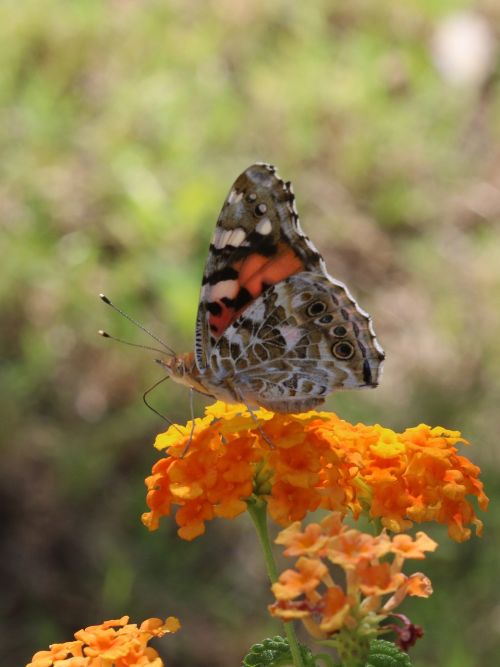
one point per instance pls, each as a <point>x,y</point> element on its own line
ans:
<point>123,125</point>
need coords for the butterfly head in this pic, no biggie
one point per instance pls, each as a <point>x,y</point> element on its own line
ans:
<point>182,368</point>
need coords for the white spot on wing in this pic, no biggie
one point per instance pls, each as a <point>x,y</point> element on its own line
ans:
<point>217,237</point>
<point>234,197</point>
<point>237,237</point>
<point>224,288</point>
<point>292,335</point>
<point>257,312</point>
<point>225,238</point>
<point>264,227</point>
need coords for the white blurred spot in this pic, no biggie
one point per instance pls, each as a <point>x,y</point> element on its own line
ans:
<point>74,248</point>
<point>61,339</point>
<point>90,403</point>
<point>483,199</point>
<point>464,49</point>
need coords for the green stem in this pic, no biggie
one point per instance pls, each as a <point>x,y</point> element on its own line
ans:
<point>377,525</point>
<point>257,508</point>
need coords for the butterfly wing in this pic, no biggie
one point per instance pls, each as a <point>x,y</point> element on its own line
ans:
<point>257,243</point>
<point>303,339</point>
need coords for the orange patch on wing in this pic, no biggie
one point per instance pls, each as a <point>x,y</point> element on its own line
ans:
<point>257,270</point>
<point>255,273</point>
<point>219,323</point>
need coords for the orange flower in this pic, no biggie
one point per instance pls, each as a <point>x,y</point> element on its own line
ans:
<point>417,584</point>
<point>351,547</point>
<point>315,461</point>
<point>115,643</point>
<point>308,591</point>
<point>307,577</point>
<point>377,578</point>
<point>335,608</point>
<point>309,542</point>
<point>406,547</point>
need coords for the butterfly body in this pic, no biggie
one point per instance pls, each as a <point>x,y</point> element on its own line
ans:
<point>273,329</point>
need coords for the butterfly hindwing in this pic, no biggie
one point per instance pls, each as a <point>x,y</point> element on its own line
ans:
<point>302,339</point>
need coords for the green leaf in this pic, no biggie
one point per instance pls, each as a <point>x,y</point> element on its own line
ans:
<point>386,654</point>
<point>275,652</point>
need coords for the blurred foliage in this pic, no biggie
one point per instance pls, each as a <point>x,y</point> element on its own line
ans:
<point>123,124</point>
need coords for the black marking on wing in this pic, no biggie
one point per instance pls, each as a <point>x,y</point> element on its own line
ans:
<point>241,299</point>
<point>264,245</point>
<point>367,372</point>
<point>214,308</point>
<point>254,243</point>
<point>227,273</point>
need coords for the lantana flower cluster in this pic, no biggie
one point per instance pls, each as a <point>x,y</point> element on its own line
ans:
<point>116,642</point>
<point>374,584</point>
<point>304,462</point>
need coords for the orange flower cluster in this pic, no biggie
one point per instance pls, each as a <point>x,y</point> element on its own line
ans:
<point>303,462</point>
<point>115,643</point>
<point>309,593</point>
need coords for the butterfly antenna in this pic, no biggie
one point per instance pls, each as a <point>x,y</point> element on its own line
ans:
<point>105,334</point>
<point>148,404</point>
<point>137,324</point>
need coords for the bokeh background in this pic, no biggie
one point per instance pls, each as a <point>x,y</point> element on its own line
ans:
<point>122,125</point>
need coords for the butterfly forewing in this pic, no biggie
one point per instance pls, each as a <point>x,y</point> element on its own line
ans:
<point>257,242</point>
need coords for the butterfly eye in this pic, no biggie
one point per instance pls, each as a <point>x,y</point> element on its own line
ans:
<point>316,308</point>
<point>326,319</point>
<point>343,350</point>
<point>340,331</point>
<point>260,209</point>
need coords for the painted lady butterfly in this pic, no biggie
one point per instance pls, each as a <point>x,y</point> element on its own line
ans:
<point>273,328</point>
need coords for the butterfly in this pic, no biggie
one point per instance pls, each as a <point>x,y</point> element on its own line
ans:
<point>273,328</point>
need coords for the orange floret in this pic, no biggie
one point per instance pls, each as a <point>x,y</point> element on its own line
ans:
<point>117,642</point>
<point>303,580</point>
<point>350,547</point>
<point>335,607</point>
<point>309,542</point>
<point>407,547</point>
<point>301,463</point>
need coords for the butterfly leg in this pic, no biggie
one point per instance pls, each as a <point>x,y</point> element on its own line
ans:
<point>148,404</point>
<point>215,421</point>
<point>237,395</point>
<point>191,408</point>
<point>259,427</point>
